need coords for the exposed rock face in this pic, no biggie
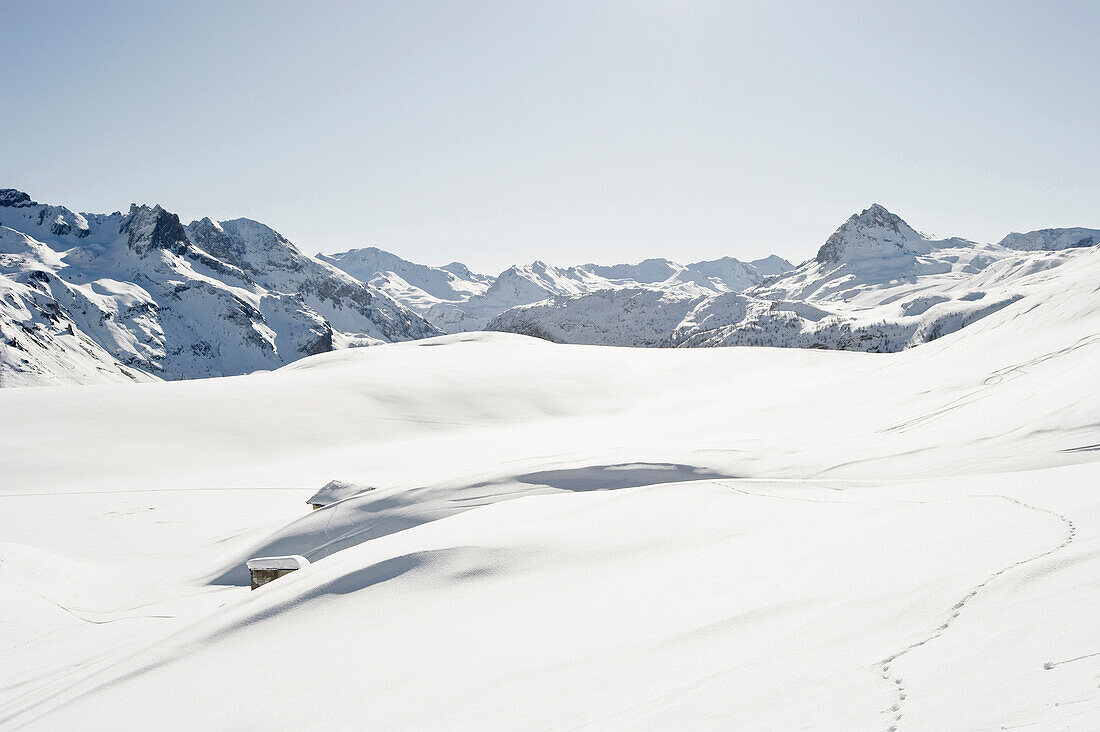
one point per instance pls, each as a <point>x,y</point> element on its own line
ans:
<point>60,227</point>
<point>209,236</point>
<point>323,344</point>
<point>15,199</point>
<point>154,228</point>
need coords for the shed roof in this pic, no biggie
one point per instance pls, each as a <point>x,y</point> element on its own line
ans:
<point>336,490</point>
<point>290,561</point>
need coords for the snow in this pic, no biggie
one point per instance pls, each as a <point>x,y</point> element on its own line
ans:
<point>293,561</point>
<point>1052,239</point>
<point>456,300</point>
<point>612,317</point>
<point>336,490</point>
<point>771,265</point>
<point>91,298</point>
<point>94,298</point>
<point>568,535</point>
<point>407,281</point>
<point>876,285</point>
<point>526,534</point>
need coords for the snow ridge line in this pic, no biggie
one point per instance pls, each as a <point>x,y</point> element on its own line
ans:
<point>899,688</point>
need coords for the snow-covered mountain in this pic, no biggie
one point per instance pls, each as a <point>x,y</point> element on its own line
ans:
<point>638,316</point>
<point>139,296</point>
<point>517,285</point>
<point>1052,240</point>
<point>455,299</point>
<point>771,265</point>
<point>876,284</point>
<point>418,286</point>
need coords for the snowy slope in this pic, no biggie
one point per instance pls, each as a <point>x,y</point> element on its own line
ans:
<point>609,317</point>
<point>876,284</point>
<point>135,296</point>
<point>416,285</point>
<point>771,265</point>
<point>1052,239</point>
<point>563,536</point>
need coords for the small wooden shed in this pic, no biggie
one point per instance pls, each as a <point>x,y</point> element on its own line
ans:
<point>266,569</point>
<point>335,490</point>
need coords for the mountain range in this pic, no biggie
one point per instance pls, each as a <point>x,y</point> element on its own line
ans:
<point>454,299</point>
<point>140,296</point>
<point>875,285</point>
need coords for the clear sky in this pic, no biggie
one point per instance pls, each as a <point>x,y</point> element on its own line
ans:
<point>502,132</point>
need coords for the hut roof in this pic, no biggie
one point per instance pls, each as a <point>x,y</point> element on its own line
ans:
<point>336,490</point>
<point>290,561</point>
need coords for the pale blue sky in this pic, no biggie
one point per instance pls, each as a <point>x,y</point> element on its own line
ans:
<point>501,132</point>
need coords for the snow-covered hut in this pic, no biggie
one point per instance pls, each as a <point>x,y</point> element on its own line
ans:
<point>335,490</point>
<point>265,569</point>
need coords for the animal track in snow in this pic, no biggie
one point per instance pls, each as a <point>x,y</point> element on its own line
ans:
<point>895,710</point>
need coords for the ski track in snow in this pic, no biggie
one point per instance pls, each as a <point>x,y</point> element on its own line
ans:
<point>895,710</point>
<point>999,376</point>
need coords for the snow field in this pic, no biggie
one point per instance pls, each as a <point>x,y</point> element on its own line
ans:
<point>566,536</point>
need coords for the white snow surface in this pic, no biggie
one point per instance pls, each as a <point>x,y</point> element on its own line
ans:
<point>291,561</point>
<point>568,536</point>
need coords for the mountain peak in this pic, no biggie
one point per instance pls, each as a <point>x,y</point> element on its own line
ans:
<point>15,198</point>
<point>772,264</point>
<point>206,223</point>
<point>875,232</point>
<point>459,269</point>
<point>153,228</point>
<point>878,215</point>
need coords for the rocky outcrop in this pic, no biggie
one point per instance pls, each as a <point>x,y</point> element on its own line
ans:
<point>10,197</point>
<point>149,229</point>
